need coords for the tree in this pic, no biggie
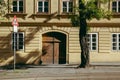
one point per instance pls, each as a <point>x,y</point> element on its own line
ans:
<point>87,10</point>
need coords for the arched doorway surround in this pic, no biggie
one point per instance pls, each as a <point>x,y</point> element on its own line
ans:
<point>54,48</point>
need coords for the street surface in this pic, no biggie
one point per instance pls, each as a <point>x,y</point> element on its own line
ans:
<point>62,73</point>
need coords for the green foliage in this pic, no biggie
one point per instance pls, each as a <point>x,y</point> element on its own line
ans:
<point>75,20</point>
<point>3,8</point>
<point>89,11</point>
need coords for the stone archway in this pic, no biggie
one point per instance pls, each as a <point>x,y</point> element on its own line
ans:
<point>53,48</point>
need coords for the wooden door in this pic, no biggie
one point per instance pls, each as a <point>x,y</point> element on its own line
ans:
<point>50,51</point>
<point>53,48</point>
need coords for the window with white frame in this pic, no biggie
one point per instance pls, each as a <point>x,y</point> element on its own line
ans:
<point>17,6</point>
<point>116,6</point>
<point>92,41</point>
<point>115,41</point>
<point>43,6</point>
<point>67,6</point>
<point>18,41</point>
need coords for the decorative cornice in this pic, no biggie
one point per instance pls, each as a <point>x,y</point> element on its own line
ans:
<point>104,24</point>
<point>37,24</point>
<point>60,24</point>
<point>21,15</point>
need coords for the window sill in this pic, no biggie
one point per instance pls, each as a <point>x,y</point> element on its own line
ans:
<point>93,51</point>
<point>43,15</point>
<point>116,15</point>
<point>48,15</point>
<point>22,15</point>
<point>116,51</point>
<point>64,15</point>
<point>40,15</point>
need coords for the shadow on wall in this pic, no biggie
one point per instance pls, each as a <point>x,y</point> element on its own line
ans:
<point>6,53</point>
<point>22,58</point>
<point>5,48</point>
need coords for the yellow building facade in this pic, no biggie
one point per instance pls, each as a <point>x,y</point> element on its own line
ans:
<point>46,36</point>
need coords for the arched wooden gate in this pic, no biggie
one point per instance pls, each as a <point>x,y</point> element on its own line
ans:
<point>54,48</point>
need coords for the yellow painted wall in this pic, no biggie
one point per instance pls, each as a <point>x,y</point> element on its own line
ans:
<point>33,44</point>
<point>104,52</point>
<point>31,53</point>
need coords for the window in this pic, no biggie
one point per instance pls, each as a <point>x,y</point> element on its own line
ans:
<point>116,6</point>
<point>18,6</point>
<point>92,41</point>
<point>67,6</point>
<point>116,41</point>
<point>18,41</point>
<point>43,6</point>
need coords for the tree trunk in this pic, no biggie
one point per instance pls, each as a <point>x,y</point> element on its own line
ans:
<point>83,44</point>
<point>83,36</point>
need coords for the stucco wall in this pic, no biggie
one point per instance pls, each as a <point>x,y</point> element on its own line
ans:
<point>104,52</point>
<point>33,44</point>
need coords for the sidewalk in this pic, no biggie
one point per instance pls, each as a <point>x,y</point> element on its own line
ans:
<point>105,63</point>
<point>62,72</point>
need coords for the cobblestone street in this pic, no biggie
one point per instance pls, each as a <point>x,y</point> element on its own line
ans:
<point>62,73</point>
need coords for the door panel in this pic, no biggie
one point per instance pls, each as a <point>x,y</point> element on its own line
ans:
<point>50,53</point>
<point>47,55</point>
<point>56,53</point>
